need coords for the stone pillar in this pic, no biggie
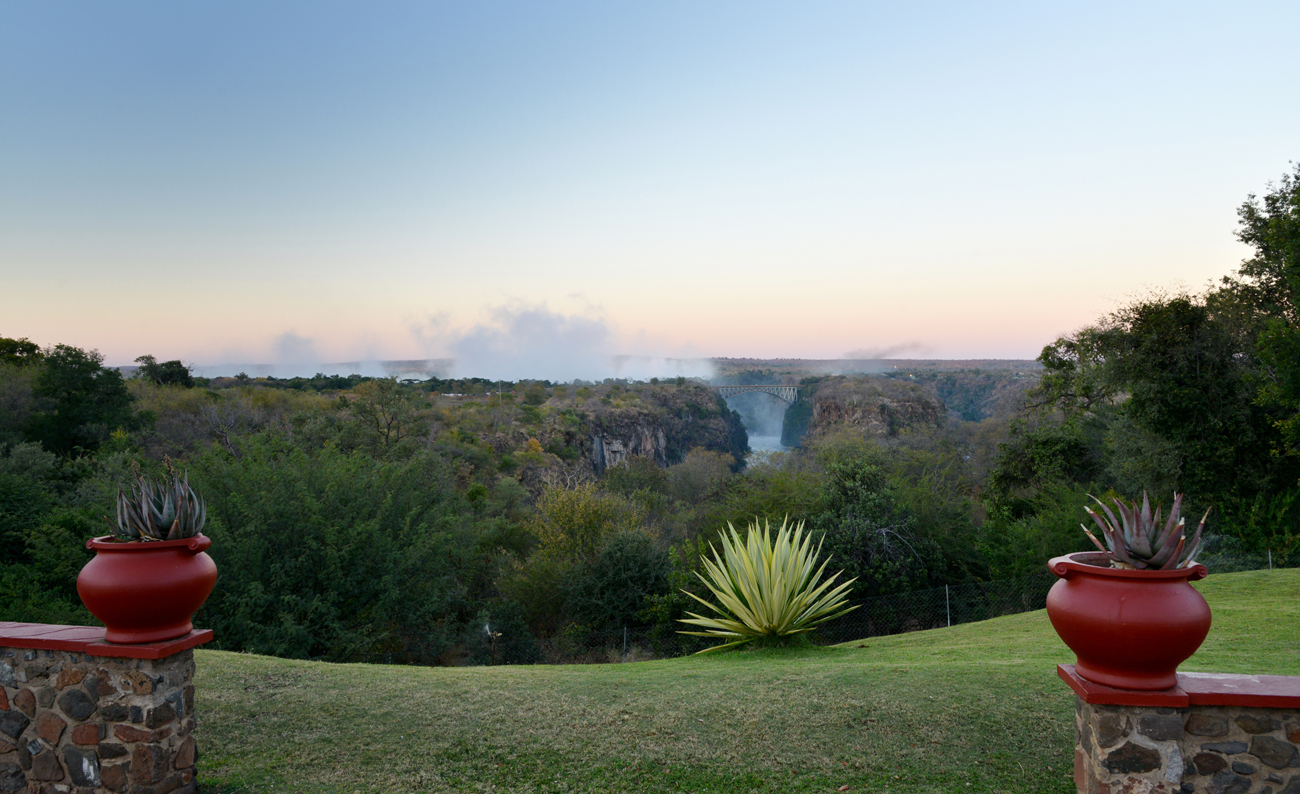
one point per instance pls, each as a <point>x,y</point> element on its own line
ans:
<point>80,715</point>
<point>1212,734</point>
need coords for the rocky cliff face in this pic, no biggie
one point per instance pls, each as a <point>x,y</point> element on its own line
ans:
<point>662,424</point>
<point>612,446</point>
<point>876,406</point>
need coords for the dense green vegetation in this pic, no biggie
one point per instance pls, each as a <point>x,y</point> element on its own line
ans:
<point>1176,392</point>
<point>976,707</point>
<point>457,520</point>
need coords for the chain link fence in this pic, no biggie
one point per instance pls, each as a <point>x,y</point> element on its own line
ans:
<point>897,613</point>
<point>888,614</point>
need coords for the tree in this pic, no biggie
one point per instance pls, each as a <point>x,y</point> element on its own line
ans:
<point>1172,379</point>
<point>1270,281</point>
<point>1272,228</point>
<point>535,394</point>
<point>576,557</point>
<point>609,590</point>
<point>17,402</point>
<point>1188,372</point>
<point>79,403</point>
<point>702,474</point>
<point>27,475</point>
<point>325,553</point>
<point>19,365</point>
<point>868,534</point>
<point>575,524</point>
<point>19,352</point>
<point>637,473</point>
<point>168,373</point>
<point>386,408</point>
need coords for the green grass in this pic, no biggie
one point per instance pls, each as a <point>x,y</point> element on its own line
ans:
<point>974,708</point>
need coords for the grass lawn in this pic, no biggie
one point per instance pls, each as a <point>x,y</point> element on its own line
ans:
<point>977,707</point>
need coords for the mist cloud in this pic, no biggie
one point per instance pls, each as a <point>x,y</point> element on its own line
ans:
<point>889,351</point>
<point>511,342</point>
<point>523,341</point>
<point>293,352</point>
<point>535,343</point>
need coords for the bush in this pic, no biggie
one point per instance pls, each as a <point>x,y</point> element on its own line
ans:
<point>869,535</point>
<point>331,554</point>
<point>608,591</point>
<point>572,529</point>
<point>701,475</point>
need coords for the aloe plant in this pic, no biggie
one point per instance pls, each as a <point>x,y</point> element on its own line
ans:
<point>766,588</point>
<point>1137,539</point>
<point>159,510</point>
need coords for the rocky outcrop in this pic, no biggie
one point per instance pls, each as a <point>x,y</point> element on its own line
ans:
<point>602,428</point>
<point>645,441</point>
<point>662,424</point>
<point>876,406</point>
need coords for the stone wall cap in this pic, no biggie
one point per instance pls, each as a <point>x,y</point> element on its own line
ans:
<point>90,639</point>
<point>1228,689</point>
<point>1194,689</point>
<point>1101,694</point>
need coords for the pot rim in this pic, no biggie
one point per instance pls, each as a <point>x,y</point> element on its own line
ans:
<point>1091,563</point>
<point>195,544</point>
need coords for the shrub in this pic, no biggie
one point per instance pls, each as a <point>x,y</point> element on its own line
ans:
<point>330,554</point>
<point>609,590</point>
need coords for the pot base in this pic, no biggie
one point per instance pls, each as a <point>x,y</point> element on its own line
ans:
<point>137,636</point>
<point>1115,680</point>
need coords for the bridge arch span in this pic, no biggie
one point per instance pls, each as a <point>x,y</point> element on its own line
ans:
<point>789,394</point>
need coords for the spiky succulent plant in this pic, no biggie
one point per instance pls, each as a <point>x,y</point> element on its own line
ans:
<point>165,509</point>
<point>1139,541</point>
<point>767,588</point>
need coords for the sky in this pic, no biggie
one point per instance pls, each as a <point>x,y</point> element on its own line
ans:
<point>533,188</point>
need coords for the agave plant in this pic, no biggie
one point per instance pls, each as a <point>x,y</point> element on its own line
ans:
<point>159,510</point>
<point>766,588</point>
<point>1137,540</point>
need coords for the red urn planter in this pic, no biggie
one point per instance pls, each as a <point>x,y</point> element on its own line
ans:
<point>1129,629</point>
<point>147,591</point>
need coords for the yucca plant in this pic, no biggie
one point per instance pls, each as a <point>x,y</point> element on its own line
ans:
<point>1138,541</point>
<point>159,510</point>
<point>766,588</point>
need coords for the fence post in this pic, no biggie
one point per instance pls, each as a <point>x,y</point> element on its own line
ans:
<point>947,603</point>
<point>1270,559</point>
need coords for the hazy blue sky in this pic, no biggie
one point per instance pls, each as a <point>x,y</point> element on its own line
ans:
<point>537,182</point>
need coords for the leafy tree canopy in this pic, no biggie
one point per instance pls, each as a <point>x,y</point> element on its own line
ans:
<point>79,402</point>
<point>167,373</point>
<point>19,351</point>
<point>868,534</point>
<point>1270,283</point>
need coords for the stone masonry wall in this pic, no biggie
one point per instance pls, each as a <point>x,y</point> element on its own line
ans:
<point>1196,749</point>
<point>75,723</point>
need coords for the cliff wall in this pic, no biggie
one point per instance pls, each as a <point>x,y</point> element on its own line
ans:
<point>603,428</point>
<point>877,406</point>
<point>662,424</point>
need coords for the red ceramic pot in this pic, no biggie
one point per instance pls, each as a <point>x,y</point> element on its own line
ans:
<point>147,591</point>
<point>1129,629</point>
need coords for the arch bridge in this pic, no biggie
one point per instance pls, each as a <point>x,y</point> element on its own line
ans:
<point>789,394</point>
